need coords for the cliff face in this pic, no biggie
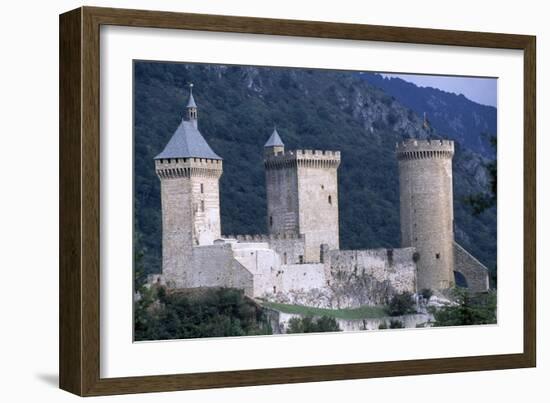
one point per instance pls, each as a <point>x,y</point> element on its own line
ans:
<point>313,109</point>
<point>465,121</point>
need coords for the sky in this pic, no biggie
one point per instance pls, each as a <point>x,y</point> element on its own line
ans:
<point>480,90</point>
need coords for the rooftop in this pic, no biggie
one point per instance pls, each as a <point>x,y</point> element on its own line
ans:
<point>187,142</point>
<point>191,103</point>
<point>274,140</point>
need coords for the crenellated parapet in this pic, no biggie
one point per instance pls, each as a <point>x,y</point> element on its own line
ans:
<point>168,168</point>
<point>414,149</point>
<point>306,158</point>
<point>263,237</point>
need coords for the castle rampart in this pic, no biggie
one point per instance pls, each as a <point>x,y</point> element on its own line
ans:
<point>474,272</point>
<point>303,158</point>
<point>168,168</point>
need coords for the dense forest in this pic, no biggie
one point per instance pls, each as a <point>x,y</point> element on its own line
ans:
<point>313,109</point>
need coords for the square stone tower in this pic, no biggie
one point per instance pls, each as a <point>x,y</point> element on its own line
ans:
<point>189,173</point>
<point>302,195</point>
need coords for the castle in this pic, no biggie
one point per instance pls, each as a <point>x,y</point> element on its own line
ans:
<point>299,260</point>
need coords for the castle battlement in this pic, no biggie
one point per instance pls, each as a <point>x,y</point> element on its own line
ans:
<point>167,168</point>
<point>413,149</point>
<point>305,157</point>
<point>263,237</point>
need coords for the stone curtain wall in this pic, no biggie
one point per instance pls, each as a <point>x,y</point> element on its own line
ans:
<point>289,246</point>
<point>302,277</point>
<point>366,277</point>
<point>214,266</point>
<point>475,273</point>
<point>348,279</point>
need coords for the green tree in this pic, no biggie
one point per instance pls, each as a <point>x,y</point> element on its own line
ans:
<point>468,309</point>
<point>161,315</point>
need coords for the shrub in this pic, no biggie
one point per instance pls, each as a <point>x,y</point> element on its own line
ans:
<point>396,324</point>
<point>161,315</point>
<point>311,325</point>
<point>426,293</point>
<point>401,304</point>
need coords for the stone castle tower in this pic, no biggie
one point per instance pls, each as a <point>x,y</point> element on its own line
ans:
<point>189,173</point>
<point>426,198</point>
<point>302,195</point>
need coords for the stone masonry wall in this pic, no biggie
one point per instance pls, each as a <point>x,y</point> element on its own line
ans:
<point>177,235</point>
<point>364,277</point>
<point>214,266</point>
<point>206,209</point>
<point>289,246</point>
<point>475,273</point>
<point>282,200</point>
<point>302,277</point>
<point>318,203</point>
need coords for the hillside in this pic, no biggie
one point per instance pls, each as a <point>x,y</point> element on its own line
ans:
<point>459,118</point>
<point>316,109</point>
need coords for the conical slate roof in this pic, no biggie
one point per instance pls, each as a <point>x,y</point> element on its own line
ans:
<point>274,140</point>
<point>191,103</point>
<point>187,142</point>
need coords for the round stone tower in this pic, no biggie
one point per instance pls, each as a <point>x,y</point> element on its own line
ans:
<point>426,198</point>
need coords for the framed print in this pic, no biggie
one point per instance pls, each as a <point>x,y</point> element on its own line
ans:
<point>249,201</point>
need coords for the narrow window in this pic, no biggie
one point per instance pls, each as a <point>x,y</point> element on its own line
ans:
<point>274,290</point>
<point>284,258</point>
<point>202,188</point>
<point>301,259</point>
<point>437,256</point>
<point>329,199</point>
<point>271,221</point>
<point>202,205</point>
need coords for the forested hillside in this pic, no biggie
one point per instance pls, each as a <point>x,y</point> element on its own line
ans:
<point>459,118</point>
<point>314,109</point>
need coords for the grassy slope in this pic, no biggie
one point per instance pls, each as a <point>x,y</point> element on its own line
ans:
<point>363,312</point>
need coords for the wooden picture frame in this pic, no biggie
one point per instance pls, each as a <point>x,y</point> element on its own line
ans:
<point>79,278</point>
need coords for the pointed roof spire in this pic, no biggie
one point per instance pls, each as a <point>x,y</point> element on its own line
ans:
<point>274,140</point>
<point>191,103</point>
